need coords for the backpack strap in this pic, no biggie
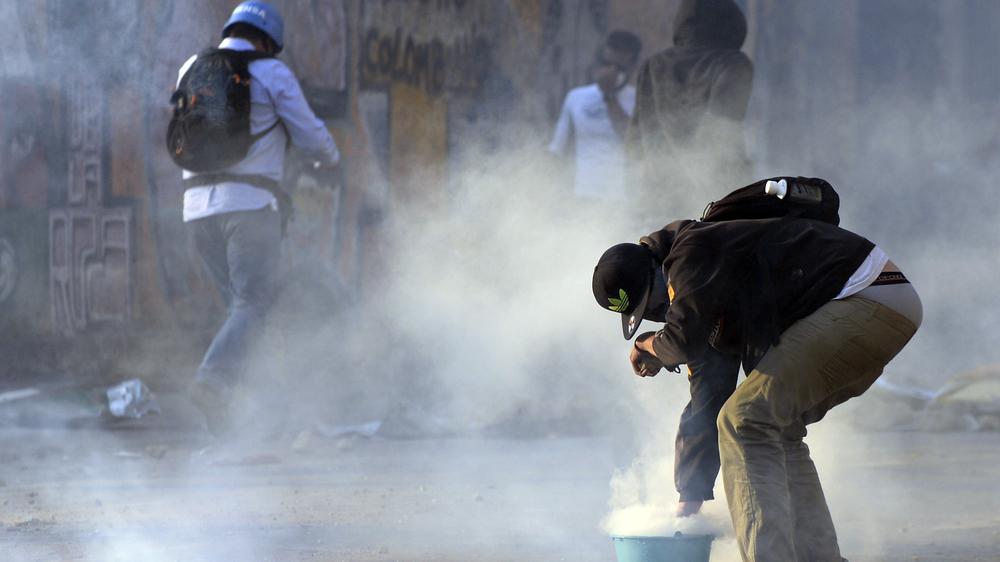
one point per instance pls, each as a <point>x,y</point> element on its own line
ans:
<point>244,58</point>
<point>262,134</point>
<point>247,57</point>
<point>251,56</point>
<point>256,180</point>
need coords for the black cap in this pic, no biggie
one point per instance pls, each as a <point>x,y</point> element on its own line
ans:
<point>623,280</point>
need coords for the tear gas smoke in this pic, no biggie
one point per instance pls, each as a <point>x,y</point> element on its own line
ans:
<point>643,499</point>
<point>484,320</point>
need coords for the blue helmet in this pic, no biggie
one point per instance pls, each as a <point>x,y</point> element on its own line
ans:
<point>261,15</point>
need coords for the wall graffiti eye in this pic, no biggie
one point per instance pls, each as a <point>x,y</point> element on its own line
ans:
<point>8,269</point>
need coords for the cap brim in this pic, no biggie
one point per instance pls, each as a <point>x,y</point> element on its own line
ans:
<point>631,320</point>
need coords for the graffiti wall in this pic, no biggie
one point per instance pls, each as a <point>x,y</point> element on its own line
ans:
<point>444,52</point>
<point>462,75</point>
<point>26,159</point>
<point>91,237</point>
<point>418,56</point>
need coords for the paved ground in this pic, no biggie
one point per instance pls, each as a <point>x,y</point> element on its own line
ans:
<point>157,495</point>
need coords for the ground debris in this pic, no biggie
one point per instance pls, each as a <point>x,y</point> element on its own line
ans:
<point>33,524</point>
<point>968,402</point>
<point>131,399</point>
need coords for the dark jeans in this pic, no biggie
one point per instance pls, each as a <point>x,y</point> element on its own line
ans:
<point>240,252</point>
<point>712,380</point>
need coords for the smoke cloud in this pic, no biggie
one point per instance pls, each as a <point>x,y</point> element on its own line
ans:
<point>482,323</point>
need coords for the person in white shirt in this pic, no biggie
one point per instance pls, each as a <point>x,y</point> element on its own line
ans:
<point>594,119</point>
<point>233,214</point>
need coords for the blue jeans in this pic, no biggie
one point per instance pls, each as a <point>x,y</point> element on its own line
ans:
<point>240,252</point>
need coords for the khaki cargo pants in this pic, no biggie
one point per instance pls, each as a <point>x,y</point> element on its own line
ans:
<point>774,495</point>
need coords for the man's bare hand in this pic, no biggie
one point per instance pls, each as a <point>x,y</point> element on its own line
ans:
<point>644,364</point>
<point>689,508</point>
<point>640,363</point>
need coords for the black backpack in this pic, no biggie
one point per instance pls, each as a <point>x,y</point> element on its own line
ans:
<point>808,198</point>
<point>210,127</point>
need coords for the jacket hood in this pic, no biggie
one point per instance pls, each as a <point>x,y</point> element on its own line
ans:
<point>661,241</point>
<point>716,24</point>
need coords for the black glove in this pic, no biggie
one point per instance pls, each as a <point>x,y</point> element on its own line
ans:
<point>300,163</point>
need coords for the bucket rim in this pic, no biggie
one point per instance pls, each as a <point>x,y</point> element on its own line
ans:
<point>678,536</point>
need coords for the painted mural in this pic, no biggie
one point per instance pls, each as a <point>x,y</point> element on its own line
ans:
<point>24,195</point>
<point>91,237</point>
<point>27,158</point>
<point>83,160</point>
<point>461,74</point>
<point>447,57</point>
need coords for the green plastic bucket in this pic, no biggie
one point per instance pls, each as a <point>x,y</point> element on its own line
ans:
<point>678,548</point>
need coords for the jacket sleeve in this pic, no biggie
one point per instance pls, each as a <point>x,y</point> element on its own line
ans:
<point>730,93</point>
<point>698,283</point>
<point>643,111</point>
<point>696,449</point>
<point>306,131</point>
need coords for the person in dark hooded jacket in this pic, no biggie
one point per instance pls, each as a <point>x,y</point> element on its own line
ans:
<point>687,128</point>
<point>815,311</point>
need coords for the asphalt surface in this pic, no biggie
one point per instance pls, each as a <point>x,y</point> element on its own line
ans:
<point>164,494</point>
